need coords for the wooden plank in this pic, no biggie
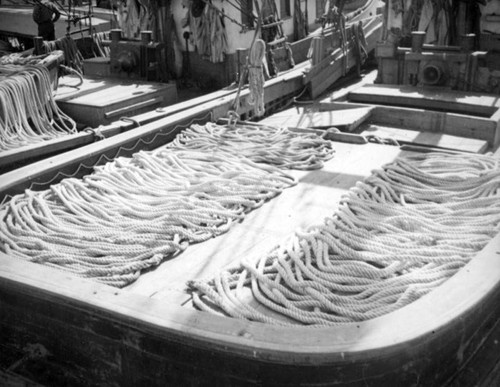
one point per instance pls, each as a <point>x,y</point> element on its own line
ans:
<point>369,27</point>
<point>438,140</point>
<point>320,116</point>
<point>364,13</point>
<point>440,122</point>
<point>430,98</point>
<point>10,379</point>
<point>99,102</point>
<point>342,88</point>
<point>338,64</point>
<point>482,368</point>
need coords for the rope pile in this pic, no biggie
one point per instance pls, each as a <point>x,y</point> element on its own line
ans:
<point>28,112</point>
<point>396,236</point>
<point>22,60</point>
<point>132,213</point>
<point>262,144</point>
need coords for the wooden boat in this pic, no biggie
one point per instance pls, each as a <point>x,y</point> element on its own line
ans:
<point>89,105</point>
<point>82,332</point>
<point>148,332</point>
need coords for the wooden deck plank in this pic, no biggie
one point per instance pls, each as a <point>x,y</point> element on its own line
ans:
<point>428,98</point>
<point>320,116</point>
<point>441,122</point>
<point>425,138</point>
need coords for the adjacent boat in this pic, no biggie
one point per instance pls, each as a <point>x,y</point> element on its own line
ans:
<point>89,104</point>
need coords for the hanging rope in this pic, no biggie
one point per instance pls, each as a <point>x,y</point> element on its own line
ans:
<point>233,112</point>
<point>256,77</point>
<point>72,56</point>
<point>396,236</point>
<point>98,46</point>
<point>28,112</point>
<point>133,213</point>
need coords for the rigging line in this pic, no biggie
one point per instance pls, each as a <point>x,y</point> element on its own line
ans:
<point>236,101</point>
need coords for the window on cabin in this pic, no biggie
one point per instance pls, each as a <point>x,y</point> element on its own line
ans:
<point>247,18</point>
<point>285,8</point>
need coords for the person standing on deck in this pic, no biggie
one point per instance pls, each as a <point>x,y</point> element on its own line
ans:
<point>45,14</point>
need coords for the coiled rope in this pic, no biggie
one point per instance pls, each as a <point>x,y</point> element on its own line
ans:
<point>396,236</point>
<point>132,213</point>
<point>28,112</point>
<point>261,144</point>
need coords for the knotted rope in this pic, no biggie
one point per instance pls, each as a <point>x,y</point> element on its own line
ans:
<point>132,213</point>
<point>28,112</point>
<point>396,236</point>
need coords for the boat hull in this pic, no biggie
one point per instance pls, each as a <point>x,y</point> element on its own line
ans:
<point>98,335</point>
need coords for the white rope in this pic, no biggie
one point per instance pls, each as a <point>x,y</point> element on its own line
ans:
<point>265,144</point>
<point>132,213</point>
<point>72,56</point>
<point>28,112</point>
<point>396,236</point>
<point>256,77</point>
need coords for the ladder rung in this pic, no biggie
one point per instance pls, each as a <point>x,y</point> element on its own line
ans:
<point>272,24</point>
<point>277,41</point>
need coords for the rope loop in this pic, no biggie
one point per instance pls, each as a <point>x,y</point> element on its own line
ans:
<point>132,120</point>
<point>384,141</point>
<point>96,132</point>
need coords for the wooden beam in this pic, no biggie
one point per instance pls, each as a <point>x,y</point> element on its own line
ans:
<point>322,76</point>
<point>440,122</point>
<point>430,98</point>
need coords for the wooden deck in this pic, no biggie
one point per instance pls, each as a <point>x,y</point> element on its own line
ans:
<point>315,197</point>
<point>149,334</point>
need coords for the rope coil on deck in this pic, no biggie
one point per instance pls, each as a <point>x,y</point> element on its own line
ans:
<point>261,144</point>
<point>132,213</point>
<point>396,236</point>
<point>28,112</point>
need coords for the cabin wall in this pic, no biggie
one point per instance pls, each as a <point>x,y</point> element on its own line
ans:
<point>221,74</point>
